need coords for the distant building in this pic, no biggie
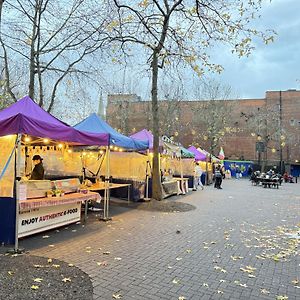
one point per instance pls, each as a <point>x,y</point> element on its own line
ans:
<point>129,114</point>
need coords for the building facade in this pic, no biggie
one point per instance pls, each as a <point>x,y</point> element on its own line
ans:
<point>266,129</point>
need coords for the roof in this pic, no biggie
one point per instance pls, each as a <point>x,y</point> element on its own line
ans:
<point>95,124</point>
<point>27,117</point>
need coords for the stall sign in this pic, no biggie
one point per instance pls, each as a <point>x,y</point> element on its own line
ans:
<point>44,218</point>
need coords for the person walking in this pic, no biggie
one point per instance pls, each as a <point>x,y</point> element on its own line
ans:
<point>197,177</point>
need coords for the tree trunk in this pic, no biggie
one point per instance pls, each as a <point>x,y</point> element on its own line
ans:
<point>32,72</point>
<point>156,182</point>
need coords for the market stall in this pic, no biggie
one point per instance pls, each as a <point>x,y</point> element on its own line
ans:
<point>117,162</point>
<point>172,165</point>
<point>26,208</point>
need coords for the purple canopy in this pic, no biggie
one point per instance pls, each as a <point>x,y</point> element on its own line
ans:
<point>144,135</point>
<point>26,117</point>
<point>199,156</point>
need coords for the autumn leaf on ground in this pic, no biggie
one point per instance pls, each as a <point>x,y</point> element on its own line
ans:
<point>117,296</point>
<point>220,292</point>
<point>251,276</point>
<point>70,265</point>
<point>223,271</point>
<point>188,250</point>
<point>205,284</point>
<point>10,273</point>
<point>118,258</point>
<point>265,292</point>
<point>49,260</point>
<point>175,281</point>
<point>56,266</point>
<point>236,257</point>
<point>243,285</point>
<point>282,297</point>
<point>103,263</point>
<point>35,287</point>
<point>46,236</point>
<point>88,248</point>
<point>178,258</point>
<point>51,246</point>
<point>38,266</point>
<point>66,279</point>
<point>181,298</point>
<point>222,280</point>
<point>217,268</point>
<point>295,281</point>
<point>106,253</point>
<point>39,280</point>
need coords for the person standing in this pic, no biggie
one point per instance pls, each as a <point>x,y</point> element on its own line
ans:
<point>197,177</point>
<point>218,177</point>
<point>38,170</point>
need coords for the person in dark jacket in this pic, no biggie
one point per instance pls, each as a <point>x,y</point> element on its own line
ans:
<point>38,170</point>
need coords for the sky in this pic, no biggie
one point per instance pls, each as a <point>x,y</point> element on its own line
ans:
<point>270,67</point>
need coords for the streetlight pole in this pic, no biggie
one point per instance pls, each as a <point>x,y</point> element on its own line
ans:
<point>280,131</point>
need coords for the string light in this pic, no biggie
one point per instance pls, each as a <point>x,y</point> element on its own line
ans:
<point>27,139</point>
<point>60,146</point>
<point>70,150</point>
<point>45,141</point>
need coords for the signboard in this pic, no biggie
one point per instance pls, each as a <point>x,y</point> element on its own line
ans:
<point>44,218</point>
<point>260,147</point>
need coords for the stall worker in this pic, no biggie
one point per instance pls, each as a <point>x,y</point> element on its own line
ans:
<point>38,170</point>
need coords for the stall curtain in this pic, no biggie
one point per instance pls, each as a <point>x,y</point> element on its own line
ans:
<point>7,164</point>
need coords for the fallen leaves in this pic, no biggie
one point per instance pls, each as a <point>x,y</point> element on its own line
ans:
<point>176,281</point>
<point>264,292</point>
<point>10,273</point>
<point>66,279</point>
<point>282,297</point>
<point>181,298</point>
<point>35,287</point>
<point>117,296</point>
<point>39,280</point>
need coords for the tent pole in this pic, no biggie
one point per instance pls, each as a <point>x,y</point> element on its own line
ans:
<point>106,186</point>
<point>108,191</point>
<point>17,183</point>
<point>148,170</point>
<point>181,176</point>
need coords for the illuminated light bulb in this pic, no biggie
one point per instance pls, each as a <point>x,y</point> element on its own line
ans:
<point>70,150</point>
<point>120,150</point>
<point>176,133</point>
<point>27,139</point>
<point>83,153</point>
<point>282,137</point>
<point>101,151</point>
<point>282,144</point>
<point>259,138</point>
<point>45,141</point>
<point>273,150</point>
<point>252,133</point>
<point>60,146</point>
<point>111,146</point>
<point>116,148</point>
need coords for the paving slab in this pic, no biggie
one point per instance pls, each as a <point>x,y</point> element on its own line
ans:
<point>232,246</point>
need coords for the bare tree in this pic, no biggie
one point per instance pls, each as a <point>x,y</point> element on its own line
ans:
<point>54,40</point>
<point>181,32</point>
<point>212,115</point>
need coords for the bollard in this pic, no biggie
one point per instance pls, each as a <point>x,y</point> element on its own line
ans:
<point>296,179</point>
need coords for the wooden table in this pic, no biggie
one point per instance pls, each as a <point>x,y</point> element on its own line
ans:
<point>100,186</point>
<point>183,185</point>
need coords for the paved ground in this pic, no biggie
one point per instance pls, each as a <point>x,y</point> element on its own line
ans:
<point>233,246</point>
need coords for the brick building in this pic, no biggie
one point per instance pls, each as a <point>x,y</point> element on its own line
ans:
<point>275,123</point>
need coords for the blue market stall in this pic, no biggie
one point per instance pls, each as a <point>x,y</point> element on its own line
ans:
<point>118,142</point>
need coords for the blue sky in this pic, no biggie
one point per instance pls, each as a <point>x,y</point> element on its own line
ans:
<point>272,67</point>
